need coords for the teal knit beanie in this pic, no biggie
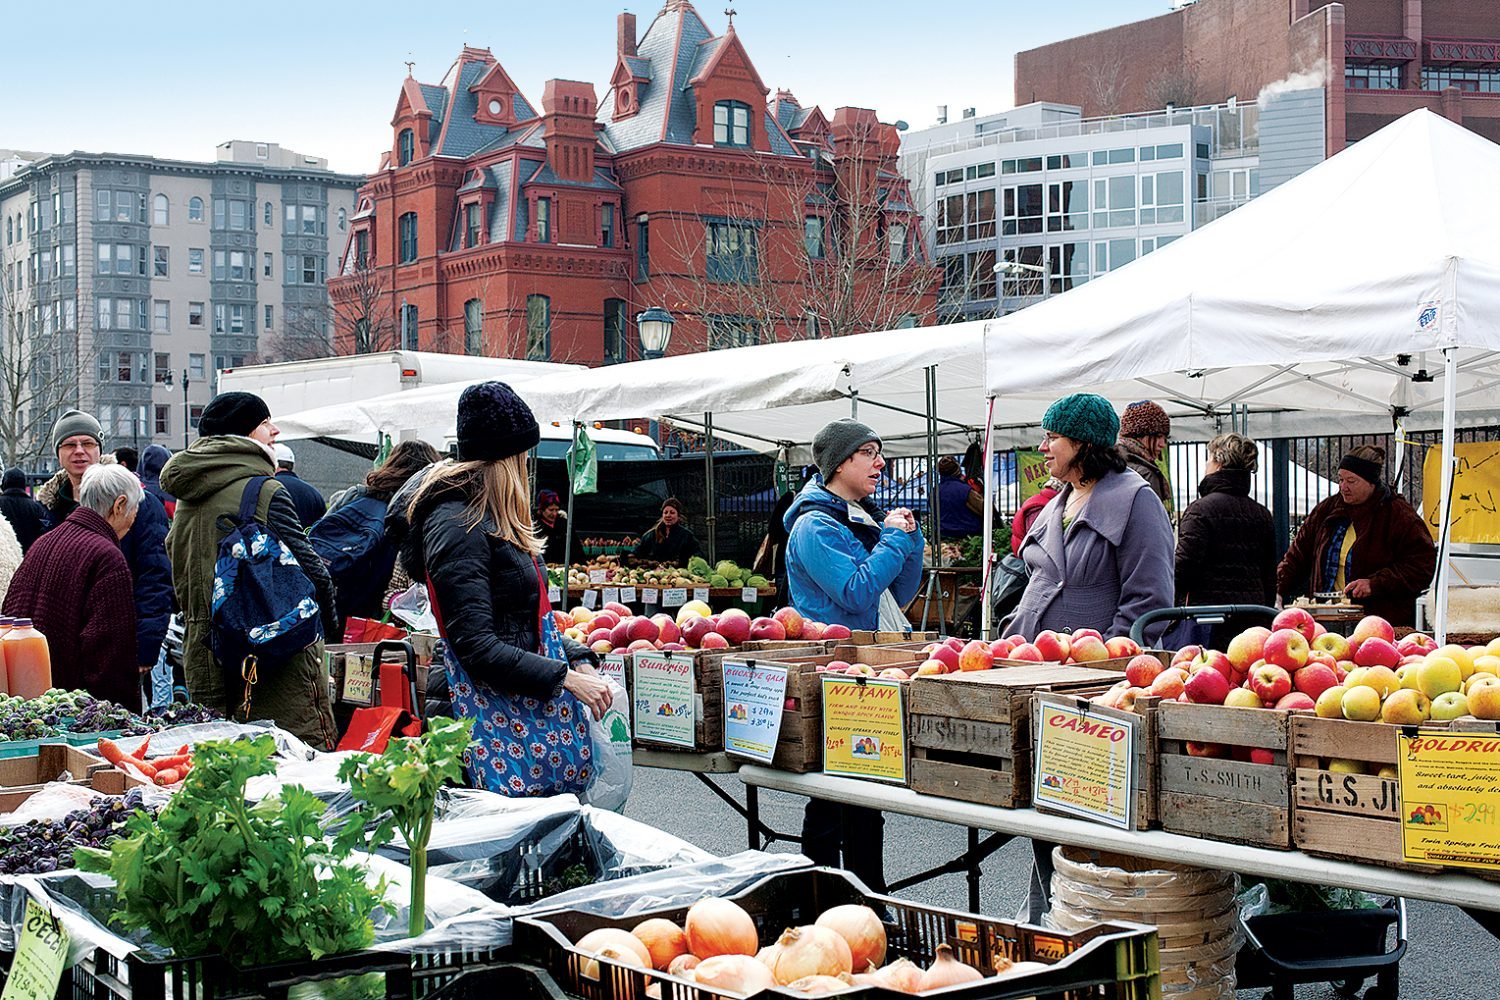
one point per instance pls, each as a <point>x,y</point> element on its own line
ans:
<point>1085,417</point>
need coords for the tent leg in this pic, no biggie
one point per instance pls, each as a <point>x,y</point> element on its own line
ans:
<point>568,534</point>
<point>987,608</point>
<point>713,503</point>
<point>1445,495</point>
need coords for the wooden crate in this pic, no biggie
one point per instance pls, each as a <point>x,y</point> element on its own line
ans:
<point>970,733</point>
<point>870,637</point>
<point>1223,799</point>
<point>1356,817</point>
<point>1146,761</point>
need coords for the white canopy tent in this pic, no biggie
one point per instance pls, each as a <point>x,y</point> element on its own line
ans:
<point>1306,297</point>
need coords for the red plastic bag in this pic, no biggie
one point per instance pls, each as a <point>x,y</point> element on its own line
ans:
<point>372,728</point>
<point>370,630</point>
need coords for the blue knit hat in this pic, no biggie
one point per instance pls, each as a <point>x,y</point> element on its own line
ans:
<point>1084,417</point>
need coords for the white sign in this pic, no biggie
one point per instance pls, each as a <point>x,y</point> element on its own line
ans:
<point>666,705</point>
<point>598,576</point>
<point>650,595</point>
<point>627,595</point>
<point>674,597</point>
<point>611,595</point>
<point>700,594</point>
<point>590,599</point>
<point>754,697</point>
<point>749,595</point>
<point>554,596</point>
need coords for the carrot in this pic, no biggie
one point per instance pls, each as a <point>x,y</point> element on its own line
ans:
<point>110,751</point>
<point>176,760</point>
<point>140,752</point>
<point>183,751</point>
<point>167,776</point>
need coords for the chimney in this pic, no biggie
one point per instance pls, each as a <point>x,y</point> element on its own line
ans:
<point>968,112</point>
<point>625,34</point>
<point>568,108</point>
<point>942,114</point>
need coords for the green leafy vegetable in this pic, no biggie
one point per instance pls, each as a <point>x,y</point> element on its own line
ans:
<point>399,789</point>
<point>257,883</point>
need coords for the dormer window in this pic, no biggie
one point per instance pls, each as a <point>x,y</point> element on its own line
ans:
<point>731,124</point>
<point>406,147</point>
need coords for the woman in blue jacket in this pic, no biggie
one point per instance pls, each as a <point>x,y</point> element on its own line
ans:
<point>844,558</point>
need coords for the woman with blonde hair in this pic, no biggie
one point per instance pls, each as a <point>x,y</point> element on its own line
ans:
<point>472,539</point>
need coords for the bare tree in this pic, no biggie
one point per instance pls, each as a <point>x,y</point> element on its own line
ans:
<point>1175,85</point>
<point>1104,85</point>
<point>38,373</point>
<point>360,307</point>
<point>305,334</point>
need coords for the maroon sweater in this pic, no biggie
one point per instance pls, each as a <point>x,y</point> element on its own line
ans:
<point>75,585</point>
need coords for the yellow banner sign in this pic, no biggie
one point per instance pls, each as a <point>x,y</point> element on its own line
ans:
<point>1031,471</point>
<point>1085,762</point>
<point>864,729</point>
<point>1476,491</point>
<point>1450,798</point>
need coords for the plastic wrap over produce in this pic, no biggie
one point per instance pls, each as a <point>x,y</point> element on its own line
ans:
<point>673,887</point>
<point>287,745</point>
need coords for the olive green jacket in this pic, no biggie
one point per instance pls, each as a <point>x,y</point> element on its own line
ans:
<point>209,480</point>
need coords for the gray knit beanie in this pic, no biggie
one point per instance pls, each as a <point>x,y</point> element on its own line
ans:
<point>837,441</point>
<point>73,423</point>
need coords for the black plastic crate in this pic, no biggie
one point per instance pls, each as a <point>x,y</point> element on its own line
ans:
<point>506,981</point>
<point>1114,961</point>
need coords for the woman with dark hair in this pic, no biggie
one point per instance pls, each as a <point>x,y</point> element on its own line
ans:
<point>553,528</point>
<point>1100,553</point>
<point>1365,541</point>
<point>668,541</point>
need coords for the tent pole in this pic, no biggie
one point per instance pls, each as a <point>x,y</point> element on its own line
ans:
<point>934,540</point>
<point>708,467</point>
<point>1399,431</point>
<point>987,607</point>
<point>568,534</point>
<point>1445,495</point>
<point>854,404</point>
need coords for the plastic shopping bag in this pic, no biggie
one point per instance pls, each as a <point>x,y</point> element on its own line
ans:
<point>413,607</point>
<point>613,772</point>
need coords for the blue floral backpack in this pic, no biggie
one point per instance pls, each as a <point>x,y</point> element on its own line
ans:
<point>522,746</point>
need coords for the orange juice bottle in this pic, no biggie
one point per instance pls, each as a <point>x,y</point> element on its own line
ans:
<point>6,623</point>
<point>28,663</point>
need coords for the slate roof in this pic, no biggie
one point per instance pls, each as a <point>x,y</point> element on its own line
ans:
<point>779,142</point>
<point>638,66</point>
<point>521,214</point>
<point>499,221</point>
<point>464,135</point>
<point>670,48</point>
<point>602,181</point>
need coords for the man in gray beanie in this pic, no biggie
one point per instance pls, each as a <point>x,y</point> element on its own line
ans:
<point>845,558</point>
<point>78,440</point>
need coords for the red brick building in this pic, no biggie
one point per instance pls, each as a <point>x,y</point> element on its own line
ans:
<point>495,228</point>
<point>1375,59</point>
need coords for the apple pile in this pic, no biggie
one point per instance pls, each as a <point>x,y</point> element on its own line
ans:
<point>953,655</point>
<point>615,628</point>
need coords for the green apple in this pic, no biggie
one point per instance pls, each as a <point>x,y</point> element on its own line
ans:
<point>1449,705</point>
<point>1438,675</point>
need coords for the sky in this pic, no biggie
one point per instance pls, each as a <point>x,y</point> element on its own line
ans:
<point>174,79</point>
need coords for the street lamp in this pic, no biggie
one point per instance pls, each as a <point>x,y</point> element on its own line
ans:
<point>1044,269</point>
<point>655,326</point>
<point>186,411</point>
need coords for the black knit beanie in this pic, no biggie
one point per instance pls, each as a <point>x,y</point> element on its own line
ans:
<point>494,423</point>
<point>233,413</point>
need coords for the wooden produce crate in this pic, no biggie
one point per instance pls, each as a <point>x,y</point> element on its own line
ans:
<point>872,637</point>
<point>778,645</point>
<point>1147,764</point>
<point>970,733</point>
<point>1336,814</point>
<point>1223,799</point>
<point>21,776</point>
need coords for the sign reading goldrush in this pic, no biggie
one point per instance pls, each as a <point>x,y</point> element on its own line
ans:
<point>1450,798</point>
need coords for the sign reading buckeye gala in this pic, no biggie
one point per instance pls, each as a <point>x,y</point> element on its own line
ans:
<point>664,698</point>
<point>864,728</point>
<point>1085,762</point>
<point>1449,786</point>
<point>754,697</point>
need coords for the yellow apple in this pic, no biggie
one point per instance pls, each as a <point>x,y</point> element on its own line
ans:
<point>1382,679</point>
<point>1406,708</point>
<point>1340,766</point>
<point>1458,654</point>
<point>1485,664</point>
<point>1484,700</point>
<point>1407,676</point>
<point>1437,675</point>
<point>1449,705</point>
<point>1330,703</point>
<point>1353,677</point>
<point>1478,678</point>
<point>1388,771</point>
<point>1494,646</point>
<point>1360,704</point>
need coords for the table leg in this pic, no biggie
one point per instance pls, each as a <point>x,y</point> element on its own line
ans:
<point>751,811</point>
<point>752,815</point>
<point>973,876</point>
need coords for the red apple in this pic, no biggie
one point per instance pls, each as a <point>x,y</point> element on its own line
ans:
<point>617,609</point>
<point>596,635</point>
<point>1377,652</point>
<point>1247,647</point>
<point>1260,755</point>
<point>672,647</point>
<point>1296,619</point>
<point>1122,646</point>
<point>1081,632</point>
<point>764,629</point>
<point>666,625</point>
<point>1027,651</point>
<point>836,666</point>
<point>734,626</point>
<point>1000,649</point>
<point>1185,655</point>
<point>643,628</point>
<point>1142,670</point>
<point>1087,649</point>
<point>713,640</point>
<point>955,643</point>
<point>1127,699</point>
<point>1214,659</point>
<point>791,621</point>
<point>604,619</point>
<point>1271,682</point>
<point>893,674</point>
<point>694,629</point>
<point>1053,646</point>
<point>602,646</point>
<point>812,631</point>
<point>562,619</point>
<point>976,655</point>
<point>1206,687</point>
<point>1196,749</point>
<point>641,646</point>
<point>929,668</point>
<point>1170,683</point>
<point>1315,678</point>
<point>1287,649</point>
<point>836,632</point>
<point>949,657</point>
<point>1318,656</point>
<point>620,634</point>
<point>1418,644</point>
<point>860,670</point>
<point>1295,701</point>
<point>1017,639</point>
<point>1372,627</point>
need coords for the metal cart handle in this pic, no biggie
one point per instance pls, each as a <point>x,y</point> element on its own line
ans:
<point>408,667</point>
<point>1203,612</point>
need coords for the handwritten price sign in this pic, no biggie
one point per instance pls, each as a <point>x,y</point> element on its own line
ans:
<point>1449,798</point>
<point>754,696</point>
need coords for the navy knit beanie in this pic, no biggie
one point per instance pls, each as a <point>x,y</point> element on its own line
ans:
<point>494,423</point>
<point>1085,417</point>
<point>233,413</point>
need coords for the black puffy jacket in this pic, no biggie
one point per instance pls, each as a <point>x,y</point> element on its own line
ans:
<point>1226,545</point>
<point>488,595</point>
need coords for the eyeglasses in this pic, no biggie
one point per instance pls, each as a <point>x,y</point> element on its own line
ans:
<point>869,451</point>
<point>1049,437</point>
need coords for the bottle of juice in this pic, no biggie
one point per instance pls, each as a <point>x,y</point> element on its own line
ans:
<point>27,661</point>
<point>6,622</point>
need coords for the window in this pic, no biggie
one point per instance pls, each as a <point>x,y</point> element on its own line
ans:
<point>229,318</point>
<point>291,218</point>
<point>725,332</point>
<point>406,147</point>
<point>1161,198</point>
<point>813,236</point>
<point>472,215</point>
<point>269,213</point>
<point>1477,80</point>
<point>811,328</point>
<point>538,328</point>
<point>1372,77</point>
<point>731,252</point>
<point>195,260</point>
<point>343,220</point>
<point>409,339</point>
<point>606,225</point>
<point>161,366</point>
<point>642,249</point>
<point>981,274</point>
<point>1103,156</point>
<point>267,265</point>
<point>195,314</point>
<point>1067,206</point>
<point>312,269</point>
<point>195,209</point>
<point>270,318</point>
<point>239,215</point>
<point>731,124</point>
<point>361,248</point>
<point>159,262</point>
<point>125,367</point>
<point>1020,282</point>
<point>68,314</point>
<point>544,220</point>
<point>221,213</point>
<point>313,223</point>
<point>161,316</point>
<point>474,327</point>
<point>221,317</point>
<point>163,419</point>
<point>1114,201</point>
<point>195,414</point>
<point>896,236</point>
<point>43,266</point>
<point>1022,210</point>
<point>196,369</point>
<point>979,209</point>
<point>116,206</point>
<point>159,210</point>
<point>407,230</point>
<point>1112,254</point>
<point>67,260</point>
<point>950,221</point>
<point>616,332</point>
<point>1067,161</point>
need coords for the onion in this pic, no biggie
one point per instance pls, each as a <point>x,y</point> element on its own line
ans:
<point>682,966</point>
<point>811,951</point>
<point>870,977</point>
<point>719,927</point>
<point>767,955</point>
<point>947,971</point>
<point>818,986</point>
<point>663,939</point>
<point>596,941</point>
<point>902,975</point>
<point>733,974</point>
<point>860,926</point>
<point>1022,968</point>
<point>622,956</point>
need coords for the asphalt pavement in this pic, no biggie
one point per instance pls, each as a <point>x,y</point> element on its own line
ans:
<point>1450,957</point>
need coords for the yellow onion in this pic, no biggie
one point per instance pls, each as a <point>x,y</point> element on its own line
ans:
<point>861,928</point>
<point>595,941</point>
<point>821,986</point>
<point>682,966</point>
<point>663,939</point>
<point>811,951</point>
<point>1022,968</point>
<point>870,977</point>
<point>902,975</point>
<point>720,927</point>
<point>767,956</point>
<point>946,971</point>
<point>733,974</point>
<point>621,956</point>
